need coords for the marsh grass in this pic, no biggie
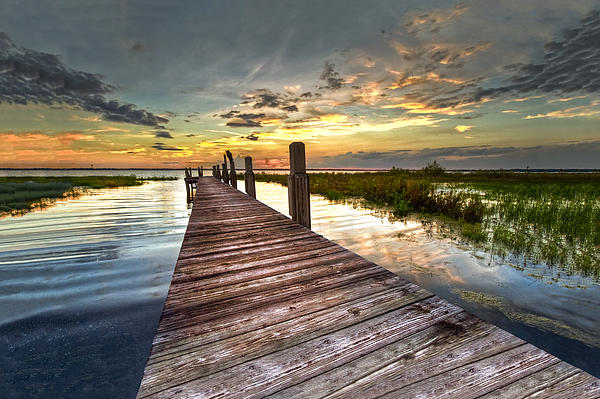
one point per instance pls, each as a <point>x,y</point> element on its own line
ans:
<point>19,195</point>
<point>551,218</point>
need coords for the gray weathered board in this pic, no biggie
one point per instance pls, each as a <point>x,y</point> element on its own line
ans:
<point>262,307</point>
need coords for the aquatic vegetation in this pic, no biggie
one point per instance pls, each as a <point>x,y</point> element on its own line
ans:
<point>404,194</point>
<point>19,195</point>
<point>551,218</point>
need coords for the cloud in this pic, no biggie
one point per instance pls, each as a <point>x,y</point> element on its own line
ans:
<point>45,142</point>
<point>252,137</point>
<point>163,147</point>
<point>242,115</point>
<point>290,108</point>
<point>29,76</point>
<point>163,134</point>
<point>572,112</point>
<point>265,98</point>
<point>463,128</point>
<point>331,77</point>
<point>242,119</point>
<point>570,65</point>
<point>434,20</point>
<point>137,150</point>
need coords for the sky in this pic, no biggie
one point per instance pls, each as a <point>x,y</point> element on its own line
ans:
<point>161,84</point>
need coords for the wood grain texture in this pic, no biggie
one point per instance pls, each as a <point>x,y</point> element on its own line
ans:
<point>260,306</point>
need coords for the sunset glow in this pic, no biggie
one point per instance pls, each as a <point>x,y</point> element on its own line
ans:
<point>409,83</point>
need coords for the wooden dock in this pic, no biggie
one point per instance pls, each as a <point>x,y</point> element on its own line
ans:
<point>262,307</point>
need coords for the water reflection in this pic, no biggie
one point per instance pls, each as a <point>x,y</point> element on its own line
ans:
<point>554,311</point>
<point>82,285</point>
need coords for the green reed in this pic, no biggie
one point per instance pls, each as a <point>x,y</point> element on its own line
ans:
<point>552,218</point>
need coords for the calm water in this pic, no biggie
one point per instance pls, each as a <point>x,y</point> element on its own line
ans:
<point>82,284</point>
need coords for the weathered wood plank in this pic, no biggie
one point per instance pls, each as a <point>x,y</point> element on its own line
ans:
<point>264,270</point>
<point>197,270</point>
<point>314,315</point>
<point>262,253</point>
<point>245,233</point>
<point>534,383</point>
<point>580,385</point>
<point>249,248</point>
<point>201,312</point>
<point>478,378</point>
<point>232,351</point>
<point>194,292</point>
<point>281,369</point>
<point>282,310</point>
<point>429,351</point>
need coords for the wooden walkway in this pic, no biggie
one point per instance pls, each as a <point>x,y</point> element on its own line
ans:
<point>260,306</point>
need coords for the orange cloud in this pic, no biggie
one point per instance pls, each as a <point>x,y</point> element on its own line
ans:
<point>463,128</point>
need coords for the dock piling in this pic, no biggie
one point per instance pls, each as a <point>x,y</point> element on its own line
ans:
<point>249,179</point>
<point>225,171</point>
<point>233,174</point>
<point>298,186</point>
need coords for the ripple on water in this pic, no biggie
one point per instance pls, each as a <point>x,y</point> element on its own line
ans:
<point>82,285</point>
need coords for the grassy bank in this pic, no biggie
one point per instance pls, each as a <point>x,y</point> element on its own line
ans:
<point>19,195</point>
<point>539,217</point>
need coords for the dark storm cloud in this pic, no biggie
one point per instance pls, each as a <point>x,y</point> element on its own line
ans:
<point>331,77</point>
<point>261,99</point>
<point>570,65</point>
<point>307,94</point>
<point>110,110</point>
<point>290,108</point>
<point>163,147</point>
<point>163,135</point>
<point>265,98</point>
<point>245,115</point>
<point>238,122</point>
<point>29,76</point>
<point>565,155</point>
<point>242,119</point>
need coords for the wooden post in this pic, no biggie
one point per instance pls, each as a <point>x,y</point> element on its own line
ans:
<point>214,168</point>
<point>225,172</point>
<point>298,187</point>
<point>218,172</point>
<point>233,173</point>
<point>200,171</point>
<point>249,180</point>
<point>187,188</point>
